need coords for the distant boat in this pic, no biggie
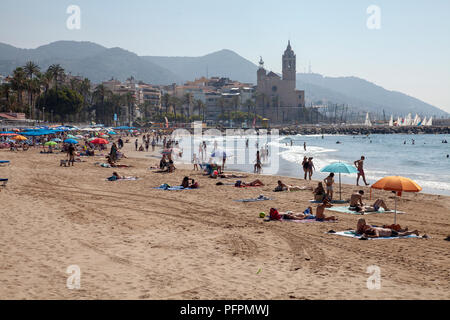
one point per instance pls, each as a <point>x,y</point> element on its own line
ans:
<point>368,123</point>
<point>430,122</point>
<point>408,120</point>
<point>391,122</point>
<point>424,122</point>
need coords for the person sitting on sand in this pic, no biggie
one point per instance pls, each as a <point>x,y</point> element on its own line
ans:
<point>320,215</point>
<point>362,228</point>
<point>356,203</point>
<point>185,183</point>
<point>281,187</point>
<point>163,163</point>
<point>256,183</point>
<point>319,192</point>
<point>115,177</point>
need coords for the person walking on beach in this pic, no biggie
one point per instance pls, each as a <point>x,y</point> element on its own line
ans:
<point>71,154</point>
<point>359,164</point>
<point>153,144</point>
<point>305,166</point>
<point>304,145</point>
<point>257,168</point>
<point>329,181</point>
<point>311,168</point>
<point>136,143</point>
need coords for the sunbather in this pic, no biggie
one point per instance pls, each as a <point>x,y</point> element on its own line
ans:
<point>319,192</point>
<point>320,215</point>
<point>307,214</point>
<point>285,187</point>
<point>362,228</point>
<point>256,183</point>
<point>185,183</point>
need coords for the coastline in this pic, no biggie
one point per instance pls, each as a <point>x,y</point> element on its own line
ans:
<point>134,242</point>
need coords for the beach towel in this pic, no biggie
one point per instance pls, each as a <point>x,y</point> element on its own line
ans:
<point>308,221</point>
<point>260,198</point>
<point>113,178</point>
<point>333,201</point>
<point>4,161</point>
<point>347,210</point>
<point>352,234</point>
<point>166,187</point>
<point>3,182</point>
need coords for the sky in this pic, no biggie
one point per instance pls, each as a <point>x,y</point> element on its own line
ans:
<point>410,52</point>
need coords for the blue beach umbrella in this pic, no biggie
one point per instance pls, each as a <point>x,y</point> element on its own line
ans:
<point>71,141</point>
<point>219,154</point>
<point>339,167</point>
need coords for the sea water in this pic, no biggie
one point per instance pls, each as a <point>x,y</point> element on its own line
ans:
<point>425,161</point>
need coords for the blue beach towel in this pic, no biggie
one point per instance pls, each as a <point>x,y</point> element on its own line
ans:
<point>260,198</point>
<point>347,210</point>
<point>352,234</point>
<point>169,188</point>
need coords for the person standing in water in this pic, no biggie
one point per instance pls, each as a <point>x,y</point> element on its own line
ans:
<point>311,168</point>
<point>304,145</point>
<point>359,164</point>
<point>305,166</point>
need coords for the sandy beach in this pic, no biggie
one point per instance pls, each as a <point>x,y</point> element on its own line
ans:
<point>134,242</point>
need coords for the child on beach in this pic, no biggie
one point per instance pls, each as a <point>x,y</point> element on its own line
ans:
<point>329,181</point>
<point>195,161</point>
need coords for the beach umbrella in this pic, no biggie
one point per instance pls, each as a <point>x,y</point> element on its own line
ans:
<point>99,141</point>
<point>71,141</point>
<point>57,140</point>
<point>70,136</point>
<point>50,143</point>
<point>219,154</point>
<point>112,132</point>
<point>397,184</point>
<point>339,167</point>
<point>19,138</point>
<point>8,134</point>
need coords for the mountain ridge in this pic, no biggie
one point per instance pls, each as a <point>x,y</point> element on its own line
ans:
<point>98,63</point>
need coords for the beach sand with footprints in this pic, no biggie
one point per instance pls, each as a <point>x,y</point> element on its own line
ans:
<point>132,241</point>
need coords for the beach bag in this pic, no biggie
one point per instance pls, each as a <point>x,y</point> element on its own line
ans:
<point>274,214</point>
<point>238,184</point>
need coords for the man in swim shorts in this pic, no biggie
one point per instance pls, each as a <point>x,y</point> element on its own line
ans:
<point>359,164</point>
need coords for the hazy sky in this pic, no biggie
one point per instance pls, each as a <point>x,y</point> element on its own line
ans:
<point>410,53</point>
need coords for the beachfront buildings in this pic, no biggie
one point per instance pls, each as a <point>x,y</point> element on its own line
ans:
<point>277,97</point>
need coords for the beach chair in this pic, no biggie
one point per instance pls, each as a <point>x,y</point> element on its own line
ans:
<point>3,182</point>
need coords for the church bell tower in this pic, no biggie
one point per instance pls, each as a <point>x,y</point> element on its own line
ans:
<point>289,64</point>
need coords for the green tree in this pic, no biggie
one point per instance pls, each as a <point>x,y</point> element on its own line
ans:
<point>66,102</point>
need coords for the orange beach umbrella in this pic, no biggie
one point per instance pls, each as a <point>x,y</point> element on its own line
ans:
<point>398,185</point>
<point>19,138</point>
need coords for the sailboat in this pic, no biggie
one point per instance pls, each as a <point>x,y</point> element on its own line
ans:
<point>408,120</point>
<point>424,122</point>
<point>399,122</point>
<point>368,123</point>
<point>430,122</point>
<point>416,120</point>
<point>391,122</point>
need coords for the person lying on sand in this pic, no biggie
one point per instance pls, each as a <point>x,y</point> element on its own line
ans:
<point>232,176</point>
<point>376,206</point>
<point>367,231</point>
<point>320,215</point>
<point>357,205</point>
<point>284,187</point>
<point>256,183</point>
<point>307,214</point>
<point>185,183</point>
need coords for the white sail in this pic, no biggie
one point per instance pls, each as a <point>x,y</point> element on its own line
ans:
<point>368,123</point>
<point>408,120</point>
<point>391,122</point>
<point>416,120</point>
<point>424,122</point>
<point>399,121</point>
<point>430,122</point>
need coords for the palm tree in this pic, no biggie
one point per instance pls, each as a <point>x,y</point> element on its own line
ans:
<point>57,73</point>
<point>45,79</point>
<point>249,103</point>
<point>5,91</point>
<point>200,106</point>
<point>101,94</point>
<point>18,83</point>
<point>188,98</point>
<point>166,101</point>
<point>31,69</point>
